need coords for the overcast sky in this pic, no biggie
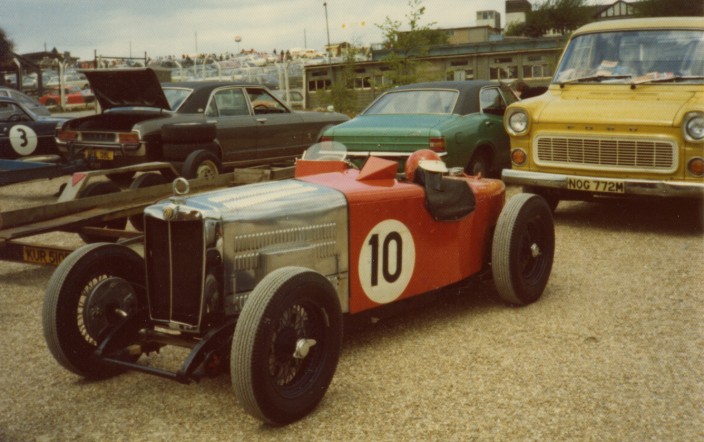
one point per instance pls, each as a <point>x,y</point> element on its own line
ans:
<point>174,27</point>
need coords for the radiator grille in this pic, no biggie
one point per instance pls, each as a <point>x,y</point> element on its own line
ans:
<point>607,152</point>
<point>320,236</point>
<point>175,258</point>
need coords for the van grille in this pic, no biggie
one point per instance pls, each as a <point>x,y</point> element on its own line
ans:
<point>174,252</point>
<point>617,153</point>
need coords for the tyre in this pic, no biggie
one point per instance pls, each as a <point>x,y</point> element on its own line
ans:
<point>142,181</point>
<point>552,198</point>
<point>201,164</point>
<point>286,345</point>
<point>121,179</point>
<point>88,293</point>
<point>478,164</point>
<point>188,132</point>
<point>523,249</point>
<point>102,188</point>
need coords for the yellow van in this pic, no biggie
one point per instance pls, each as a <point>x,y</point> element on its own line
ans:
<point>624,115</point>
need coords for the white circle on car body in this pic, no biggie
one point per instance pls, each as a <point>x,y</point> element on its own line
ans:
<point>386,261</point>
<point>23,139</point>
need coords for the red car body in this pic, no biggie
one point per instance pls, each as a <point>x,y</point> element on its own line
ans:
<point>451,251</point>
<point>74,96</point>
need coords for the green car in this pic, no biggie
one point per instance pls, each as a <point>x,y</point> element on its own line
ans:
<point>461,120</point>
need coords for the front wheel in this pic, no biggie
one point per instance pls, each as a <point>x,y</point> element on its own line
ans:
<point>286,345</point>
<point>523,249</point>
<point>90,291</point>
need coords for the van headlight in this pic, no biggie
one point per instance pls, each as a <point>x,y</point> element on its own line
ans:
<point>693,127</point>
<point>517,122</point>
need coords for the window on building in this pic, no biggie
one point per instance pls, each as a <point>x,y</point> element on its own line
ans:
<point>319,85</point>
<point>362,83</point>
<point>503,72</point>
<point>460,75</point>
<point>536,71</point>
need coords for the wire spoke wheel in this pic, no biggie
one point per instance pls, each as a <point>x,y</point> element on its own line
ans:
<point>286,345</point>
<point>90,291</point>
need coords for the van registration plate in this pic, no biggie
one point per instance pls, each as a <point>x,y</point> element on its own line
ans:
<point>592,185</point>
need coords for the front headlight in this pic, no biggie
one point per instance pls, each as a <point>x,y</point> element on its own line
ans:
<point>517,122</point>
<point>693,126</point>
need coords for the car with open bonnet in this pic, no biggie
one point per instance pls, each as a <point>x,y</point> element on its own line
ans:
<point>201,127</point>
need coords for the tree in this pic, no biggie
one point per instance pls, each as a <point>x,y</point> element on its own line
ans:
<point>670,8</point>
<point>342,89</point>
<point>6,49</point>
<point>405,47</point>
<point>560,16</point>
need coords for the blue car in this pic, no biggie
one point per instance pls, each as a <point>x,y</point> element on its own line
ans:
<point>24,133</point>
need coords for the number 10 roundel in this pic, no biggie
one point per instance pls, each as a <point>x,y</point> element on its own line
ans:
<point>386,261</point>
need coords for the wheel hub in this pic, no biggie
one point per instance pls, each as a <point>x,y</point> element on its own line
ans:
<point>111,299</point>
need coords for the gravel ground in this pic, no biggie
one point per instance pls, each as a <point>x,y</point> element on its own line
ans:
<point>612,351</point>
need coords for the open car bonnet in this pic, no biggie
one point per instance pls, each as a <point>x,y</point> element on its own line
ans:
<point>126,87</point>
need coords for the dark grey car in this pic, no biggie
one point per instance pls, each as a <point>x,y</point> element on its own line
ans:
<point>201,127</point>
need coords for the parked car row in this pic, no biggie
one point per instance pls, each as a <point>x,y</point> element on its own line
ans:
<point>274,267</point>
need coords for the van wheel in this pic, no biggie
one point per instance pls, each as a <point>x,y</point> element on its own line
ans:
<point>552,198</point>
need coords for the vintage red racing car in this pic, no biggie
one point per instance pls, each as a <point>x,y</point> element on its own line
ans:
<point>258,278</point>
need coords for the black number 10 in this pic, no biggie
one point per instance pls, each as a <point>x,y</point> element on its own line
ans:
<point>389,276</point>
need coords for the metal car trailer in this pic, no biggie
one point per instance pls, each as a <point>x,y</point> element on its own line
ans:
<point>94,217</point>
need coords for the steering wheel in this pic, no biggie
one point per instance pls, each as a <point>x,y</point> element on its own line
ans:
<point>14,117</point>
<point>261,107</point>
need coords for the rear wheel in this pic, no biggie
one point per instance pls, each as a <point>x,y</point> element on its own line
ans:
<point>479,164</point>
<point>523,249</point>
<point>201,164</point>
<point>102,188</point>
<point>286,345</point>
<point>90,291</point>
<point>122,178</point>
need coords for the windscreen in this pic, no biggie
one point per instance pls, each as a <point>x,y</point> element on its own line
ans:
<point>634,57</point>
<point>414,102</point>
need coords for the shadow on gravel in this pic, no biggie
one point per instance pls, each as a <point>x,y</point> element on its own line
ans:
<point>466,299</point>
<point>670,216</point>
<point>29,277</point>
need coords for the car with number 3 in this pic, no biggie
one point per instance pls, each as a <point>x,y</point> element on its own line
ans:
<point>24,133</point>
<point>256,279</point>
